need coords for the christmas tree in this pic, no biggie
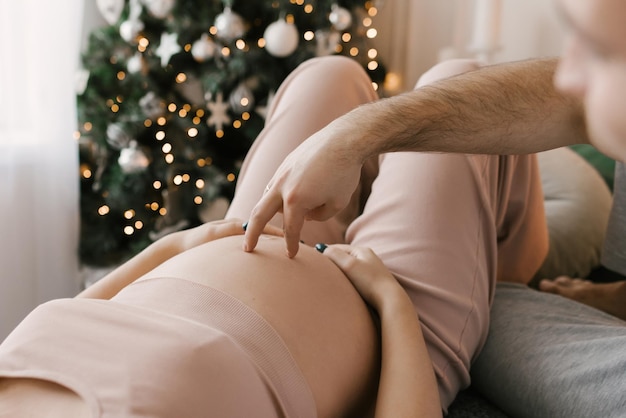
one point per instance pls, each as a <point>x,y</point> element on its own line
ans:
<point>172,95</point>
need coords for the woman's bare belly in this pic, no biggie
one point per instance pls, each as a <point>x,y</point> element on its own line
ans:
<point>309,302</point>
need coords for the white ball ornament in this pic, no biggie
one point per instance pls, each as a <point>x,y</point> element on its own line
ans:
<point>340,17</point>
<point>159,8</point>
<point>135,63</point>
<point>111,10</point>
<point>130,29</point>
<point>229,25</point>
<point>203,49</point>
<point>281,38</point>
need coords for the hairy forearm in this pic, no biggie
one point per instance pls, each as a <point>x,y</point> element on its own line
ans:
<point>508,108</point>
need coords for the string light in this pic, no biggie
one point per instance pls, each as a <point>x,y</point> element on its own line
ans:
<point>197,200</point>
<point>129,230</point>
<point>86,172</point>
<point>129,214</point>
<point>192,132</point>
<point>237,124</point>
<point>309,35</point>
<point>230,177</point>
<point>143,44</point>
<point>160,135</point>
<point>103,210</point>
<point>200,184</point>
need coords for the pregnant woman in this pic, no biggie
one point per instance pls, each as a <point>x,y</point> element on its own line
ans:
<point>195,327</point>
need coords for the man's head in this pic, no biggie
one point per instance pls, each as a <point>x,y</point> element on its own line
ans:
<point>593,68</point>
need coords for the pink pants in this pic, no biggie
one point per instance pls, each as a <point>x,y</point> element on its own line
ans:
<point>447,226</point>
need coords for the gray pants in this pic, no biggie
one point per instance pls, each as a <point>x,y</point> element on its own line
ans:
<point>547,356</point>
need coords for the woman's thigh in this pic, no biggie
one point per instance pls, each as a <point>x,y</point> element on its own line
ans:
<point>437,222</point>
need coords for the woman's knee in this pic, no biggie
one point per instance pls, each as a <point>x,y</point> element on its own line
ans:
<point>333,66</point>
<point>447,69</point>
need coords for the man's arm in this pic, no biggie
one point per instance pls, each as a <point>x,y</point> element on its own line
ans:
<point>508,108</point>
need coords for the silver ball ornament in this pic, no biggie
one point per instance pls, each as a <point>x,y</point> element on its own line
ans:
<point>152,106</point>
<point>117,137</point>
<point>340,17</point>
<point>203,49</point>
<point>241,99</point>
<point>229,25</point>
<point>281,38</point>
<point>132,159</point>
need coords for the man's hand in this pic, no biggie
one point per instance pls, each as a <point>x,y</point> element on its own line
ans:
<point>314,182</point>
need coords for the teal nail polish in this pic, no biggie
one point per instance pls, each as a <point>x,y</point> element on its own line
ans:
<point>245,225</point>
<point>320,247</point>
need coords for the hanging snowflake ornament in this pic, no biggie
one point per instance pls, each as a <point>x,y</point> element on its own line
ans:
<point>111,10</point>
<point>281,38</point>
<point>168,47</point>
<point>340,17</point>
<point>203,49</point>
<point>219,112</point>
<point>229,25</point>
<point>159,8</point>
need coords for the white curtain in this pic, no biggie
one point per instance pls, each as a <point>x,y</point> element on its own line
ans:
<point>413,35</point>
<point>39,51</point>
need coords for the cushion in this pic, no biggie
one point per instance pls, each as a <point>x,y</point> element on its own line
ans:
<point>577,203</point>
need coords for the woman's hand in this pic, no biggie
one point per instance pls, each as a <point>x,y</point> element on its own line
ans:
<point>367,273</point>
<point>210,231</point>
<point>407,386</point>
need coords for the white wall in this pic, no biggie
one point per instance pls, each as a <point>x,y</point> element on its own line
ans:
<point>411,33</point>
